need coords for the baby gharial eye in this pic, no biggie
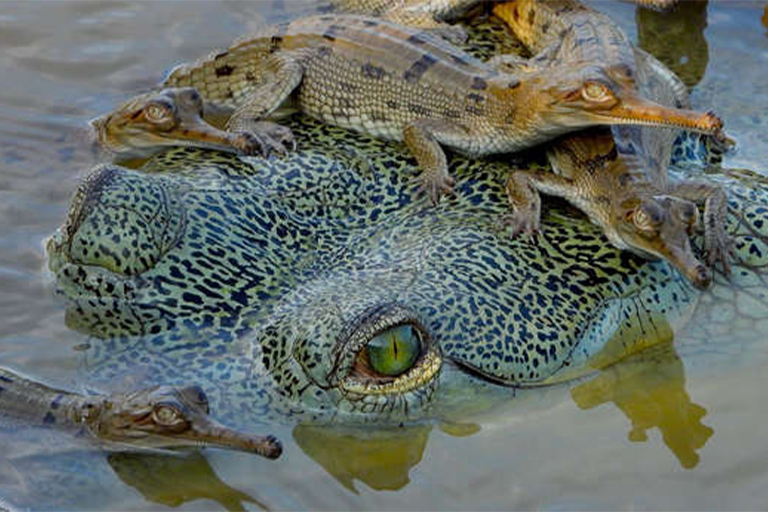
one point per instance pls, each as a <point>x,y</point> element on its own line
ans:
<point>596,92</point>
<point>167,415</point>
<point>645,218</point>
<point>157,112</point>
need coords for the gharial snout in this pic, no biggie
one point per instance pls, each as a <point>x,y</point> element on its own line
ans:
<point>695,271</point>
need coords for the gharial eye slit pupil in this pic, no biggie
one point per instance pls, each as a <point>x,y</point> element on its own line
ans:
<point>394,351</point>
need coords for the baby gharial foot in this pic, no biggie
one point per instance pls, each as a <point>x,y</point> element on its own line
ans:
<point>264,139</point>
<point>717,242</point>
<point>525,202</point>
<point>718,246</point>
<point>522,221</point>
<point>421,137</point>
<point>435,185</point>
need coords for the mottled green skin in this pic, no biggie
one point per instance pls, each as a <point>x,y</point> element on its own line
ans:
<point>245,275</point>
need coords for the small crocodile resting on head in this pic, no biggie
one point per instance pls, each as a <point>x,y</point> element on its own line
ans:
<point>395,83</point>
<point>621,180</point>
<point>155,417</point>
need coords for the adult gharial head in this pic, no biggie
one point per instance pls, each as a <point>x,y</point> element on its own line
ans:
<point>317,288</point>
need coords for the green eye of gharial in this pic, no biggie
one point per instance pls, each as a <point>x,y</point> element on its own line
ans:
<point>394,351</point>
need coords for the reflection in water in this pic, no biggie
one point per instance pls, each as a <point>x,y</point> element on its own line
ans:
<point>381,460</point>
<point>649,388</point>
<point>173,480</point>
<point>676,38</point>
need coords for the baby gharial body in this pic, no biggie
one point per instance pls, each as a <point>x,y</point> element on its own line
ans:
<point>392,82</point>
<point>619,178</point>
<point>653,218</point>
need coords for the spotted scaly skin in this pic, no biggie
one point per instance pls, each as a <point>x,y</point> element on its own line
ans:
<point>395,83</point>
<point>263,279</point>
<point>620,180</point>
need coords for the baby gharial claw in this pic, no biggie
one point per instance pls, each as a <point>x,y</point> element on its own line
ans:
<point>435,186</point>
<point>719,248</point>
<point>278,137</point>
<point>266,140</point>
<point>521,221</point>
<point>248,143</point>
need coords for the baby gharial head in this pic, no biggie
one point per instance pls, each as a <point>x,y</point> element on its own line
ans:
<point>660,227</point>
<point>581,94</point>
<point>168,417</point>
<point>153,120</point>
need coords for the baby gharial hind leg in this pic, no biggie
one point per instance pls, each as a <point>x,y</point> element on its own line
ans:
<point>523,188</point>
<point>717,243</point>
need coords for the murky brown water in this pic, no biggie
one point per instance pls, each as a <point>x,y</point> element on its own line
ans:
<point>686,431</point>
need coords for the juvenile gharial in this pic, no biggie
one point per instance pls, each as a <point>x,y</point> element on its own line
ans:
<point>395,83</point>
<point>155,417</point>
<point>620,180</point>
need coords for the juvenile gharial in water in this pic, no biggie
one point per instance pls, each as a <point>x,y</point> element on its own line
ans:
<point>392,82</point>
<point>620,180</point>
<point>155,417</point>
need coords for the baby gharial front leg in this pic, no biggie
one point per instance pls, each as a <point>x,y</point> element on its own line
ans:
<point>522,189</point>
<point>423,137</point>
<point>281,75</point>
<point>717,243</point>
